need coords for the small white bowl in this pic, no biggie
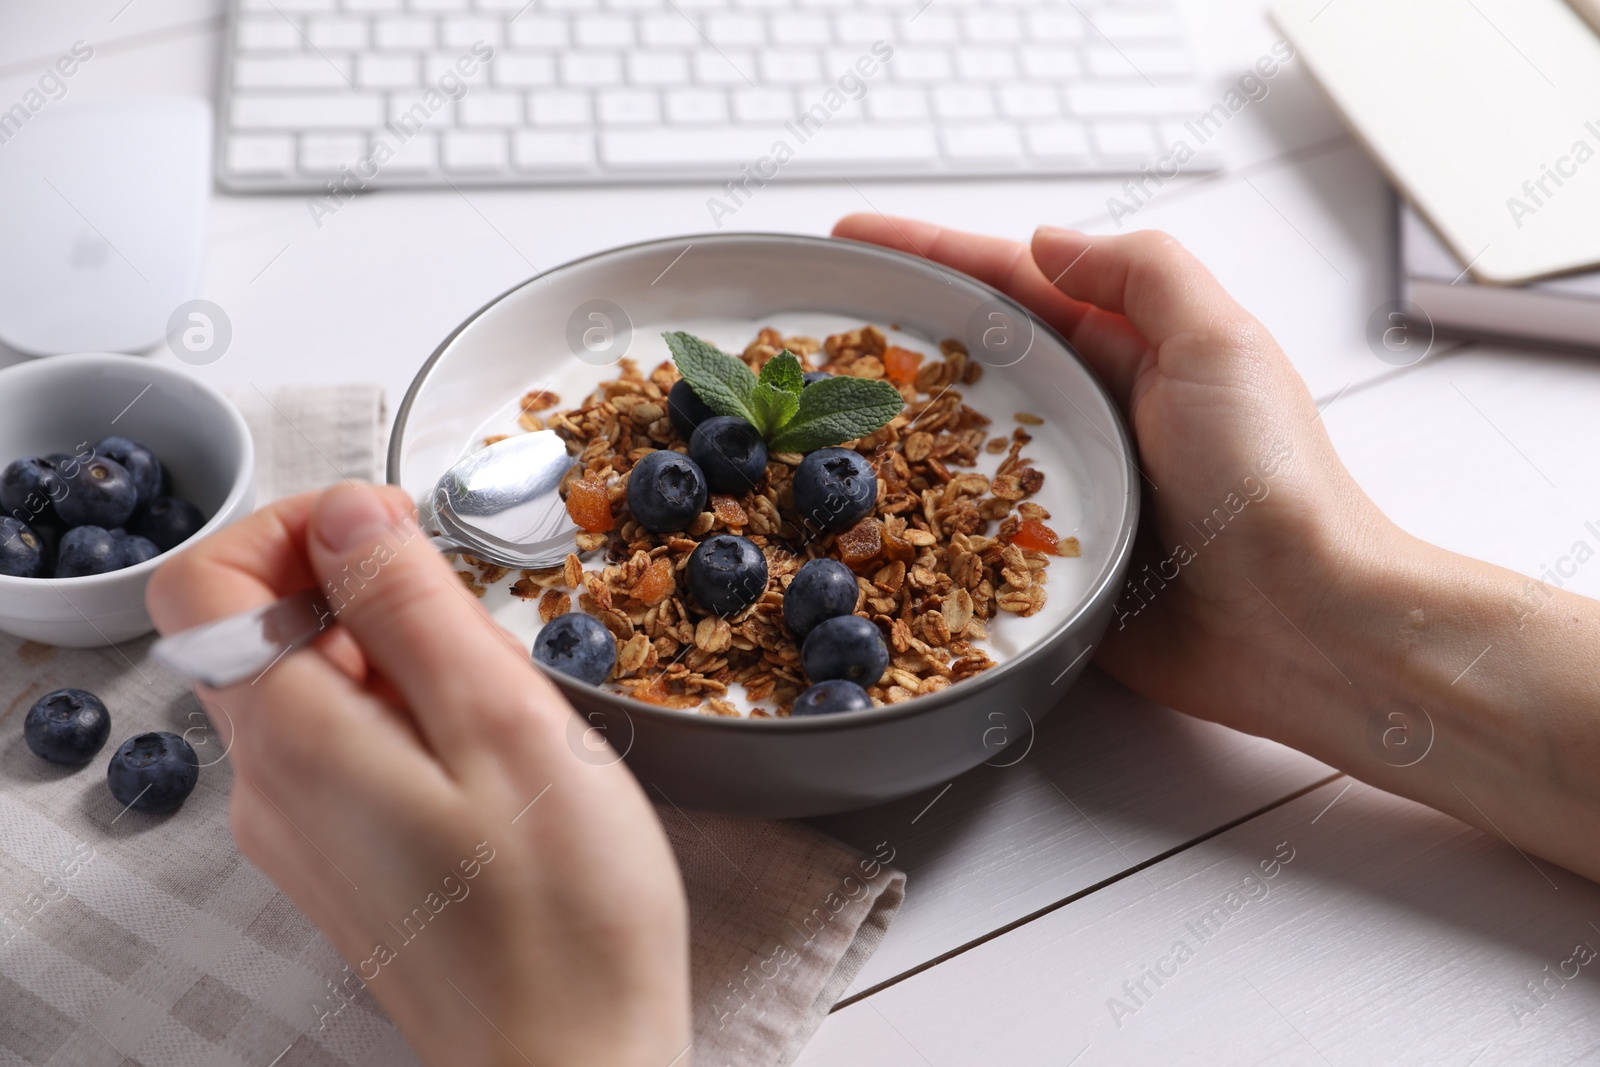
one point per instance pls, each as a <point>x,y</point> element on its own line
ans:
<point>60,404</point>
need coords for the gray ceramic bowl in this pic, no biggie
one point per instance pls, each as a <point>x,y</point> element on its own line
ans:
<point>588,311</point>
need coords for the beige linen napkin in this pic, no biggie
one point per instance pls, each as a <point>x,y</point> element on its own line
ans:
<point>127,938</point>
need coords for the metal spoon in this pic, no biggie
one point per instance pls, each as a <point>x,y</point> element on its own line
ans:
<point>501,505</point>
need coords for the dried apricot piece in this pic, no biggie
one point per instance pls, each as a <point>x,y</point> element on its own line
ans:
<point>728,511</point>
<point>656,583</point>
<point>900,364</point>
<point>1036,536</point>
<point>861,544</point>
<point>589,504</point>
<point>898,548</point>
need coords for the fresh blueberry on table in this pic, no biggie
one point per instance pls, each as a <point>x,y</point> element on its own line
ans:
<point>848,647</point>
<point>28,489</point>
<point>87,550</point>
<point>149,477</point>
<point>578,646</point>
<point>167,522</point>
<point>727,573</point>
<point>835,487</point>
<point>666,491</point>
<point>21,550</point>
<point>811,377</point>
<point>824,589</point>
<point>731,454</point>
<point>685,408</point>
<point>135,549</point>
<point>99,492</point>
<point>67,726</point>
<point>153,773</point>
<point>826,698</point>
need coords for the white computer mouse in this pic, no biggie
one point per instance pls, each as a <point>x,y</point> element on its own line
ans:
<point>102,221</point>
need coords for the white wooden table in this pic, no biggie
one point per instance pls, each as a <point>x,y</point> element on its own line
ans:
<point>1047,899</point>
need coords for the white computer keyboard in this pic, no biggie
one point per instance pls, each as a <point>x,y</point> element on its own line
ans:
<point>372,93</point>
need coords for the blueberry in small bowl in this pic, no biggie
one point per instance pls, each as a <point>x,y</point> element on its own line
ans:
<point>167,522</point>
<point>88,550</point>
<point>149,476</point>
<point>823,589</point>
<point>731,454</point>
<point>99,492</point>
<point>577,645</point>
<point>686,409</point>
<point>153,772</point>
<point>135,549</point>
<point>848,647</point>
<point>727,573</point>
<point>68,726</point>
<point>29,488</point>
<point>832,697</point>
<point>22,551</point>
<point>834,488</point>
<point>666,491</point>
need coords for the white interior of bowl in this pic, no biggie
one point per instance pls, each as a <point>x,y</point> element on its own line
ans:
<point>521,341</point>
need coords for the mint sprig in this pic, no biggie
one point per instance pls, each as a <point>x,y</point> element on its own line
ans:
<point>791,416</point>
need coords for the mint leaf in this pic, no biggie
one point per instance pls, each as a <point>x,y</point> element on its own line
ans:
<point>724,382</point>
<point>836,410</point>
<point>777,393</point>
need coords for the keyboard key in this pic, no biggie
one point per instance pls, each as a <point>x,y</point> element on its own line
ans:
<point>538,31</point>
<point>570,5</point>
<point>658,68</point>
<point>418,154</point>
<point>799,29</point>
<point>287,6</point>
<point>727,67</point>
<point>921,65</point>
<point>637,5</point>
<point>828,5</point>
<point>410,112</point>
<point>683,148</point>
<point>989,142</point>
<point>985,64</point>
<point>434,6</point>
<point>327,33</point>
<point>1058,142</point>
<point>725,28</point>
<point>894,102</point>
<point>1127,25</point>
<point>789,67</point>
<point>1029,102</point>
<point>962,102</point>
<point>862,29</point>
<point>386,71</point>
<point>603,31</point>
<point>371,7</point>
<point>1090,99</point>
<point>1124,140</point>
<point>628,107</point>
<point>523,70</point>
<point>326,153</point>
<point>534,150</point>
<point>485,108</point>
<point>464,151</point>
<point>403,33</point>
<point>1051,63</point>
<point>671,29</point>
<point>591,68</point>
<point>438,64</point>
<point>866,147</point>
<point>463,33</point>
<point>763,105</point>
<point>992,27</point>
<point>930,27</point>
<point>697,106</point>
<point>1055,26</point>
<point>261,155</point>
<point>1153,61</point>
<point>291,72</point>
<point>266,34</point>
<point>559,108</point>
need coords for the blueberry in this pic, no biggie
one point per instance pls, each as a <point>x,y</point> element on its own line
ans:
<point>100,492</point>
<point>149,476</point>
<point>87,550</point>
<point>686,409</point>
<point>824,589</point>
<point>22,551</point>
<point>67,726</point>
<point>811,377</point>
<point>578,646</point>
<point>666,491</point>
<point>167,522</point>
<point>135,549</point>
<point>826,698</point>
<point>847,646</point>
<point>28,489</point>
<point>727,573</point>
<point>153,772</point>
<point>731,453</point>
<point>834,487</point>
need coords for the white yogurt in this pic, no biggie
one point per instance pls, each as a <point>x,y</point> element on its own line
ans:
<point>1064,493</point>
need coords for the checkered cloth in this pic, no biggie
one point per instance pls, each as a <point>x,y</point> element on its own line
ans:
<point>136,939</point>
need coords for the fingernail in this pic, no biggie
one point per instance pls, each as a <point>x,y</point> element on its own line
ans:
<point>1056,231</point>
<point>349,515</point>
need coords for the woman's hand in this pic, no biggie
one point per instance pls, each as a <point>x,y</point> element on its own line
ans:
<point>411,784</point>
